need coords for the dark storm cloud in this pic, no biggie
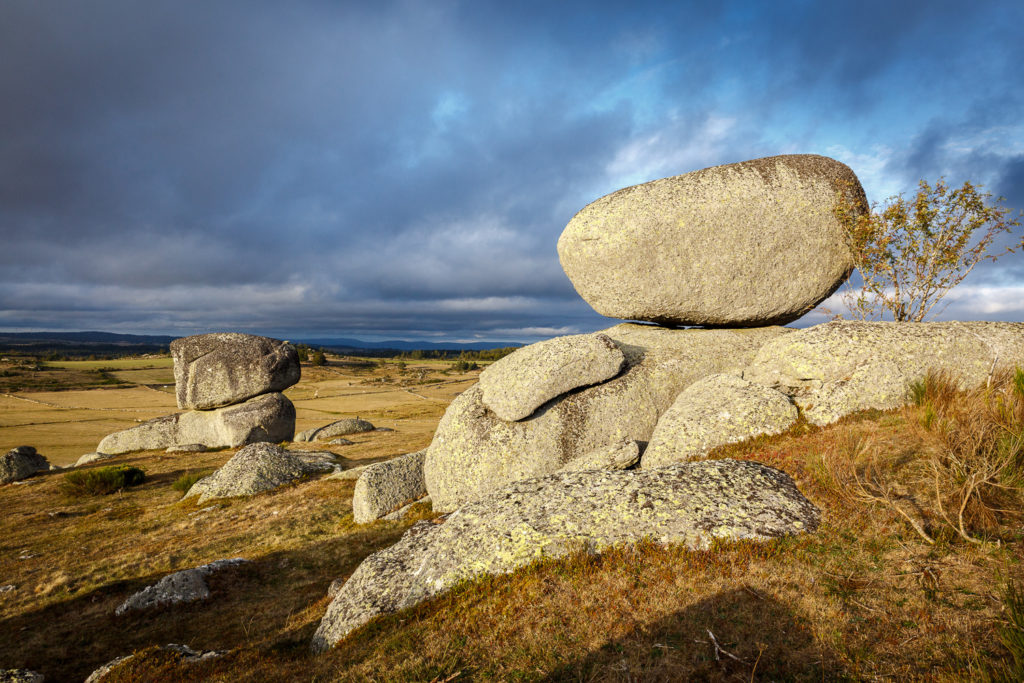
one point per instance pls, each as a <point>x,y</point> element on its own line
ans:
<point>380,167</point>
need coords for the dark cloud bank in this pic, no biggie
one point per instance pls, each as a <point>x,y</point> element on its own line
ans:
<point>403,169</point>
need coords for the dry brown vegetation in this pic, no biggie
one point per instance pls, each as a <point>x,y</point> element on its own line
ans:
<point>865,597</point>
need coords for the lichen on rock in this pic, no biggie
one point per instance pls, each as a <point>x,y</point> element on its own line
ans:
<point>689,503</point>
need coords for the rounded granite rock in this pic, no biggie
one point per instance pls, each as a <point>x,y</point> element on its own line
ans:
<point>715,411</point>
<point>515,386</point>
<point>20,463</point>
<point>746,244</point>
<point>259,467</point>
<point>221,369</point>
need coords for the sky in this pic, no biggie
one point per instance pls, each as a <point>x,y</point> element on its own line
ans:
<point>402,170</point>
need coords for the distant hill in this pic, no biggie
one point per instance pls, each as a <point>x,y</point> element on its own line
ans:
<point>398,345</point>
<point>114,343</point>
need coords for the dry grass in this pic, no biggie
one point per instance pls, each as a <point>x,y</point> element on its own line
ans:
<point>64,422</point>
<point>865,597</point>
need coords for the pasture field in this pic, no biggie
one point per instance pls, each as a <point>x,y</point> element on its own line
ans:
<point>868,596</point>
<point>64,422</point>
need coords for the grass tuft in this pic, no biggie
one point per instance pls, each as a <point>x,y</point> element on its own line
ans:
<point>185,481</point>
<point>101,481</point>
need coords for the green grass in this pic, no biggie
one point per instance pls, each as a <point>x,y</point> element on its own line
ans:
<point>185,481</point>
<point>101,481</point>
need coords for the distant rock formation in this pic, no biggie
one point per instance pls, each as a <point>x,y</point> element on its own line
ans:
<point>234,382</point>
<point>351,425</point>
<point>222,369</point>
<point>747,244</point>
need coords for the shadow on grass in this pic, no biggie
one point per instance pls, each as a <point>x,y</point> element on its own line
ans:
<point>764,639</point>
<point>275,600</point>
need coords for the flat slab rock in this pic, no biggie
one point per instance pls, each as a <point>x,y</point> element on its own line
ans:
<point>516,385</point>
<point>20,463</point>
<point>838,368</point>
<point>259,467</point>
<point>225,368</point>
<point>746,244</point>
<point>350,425</point>
<point>474,452</point>
<point>270,417</point>
<point>384,487</point>
<point>187,585</point>
<point>188,655</point>
<point>689,503</point>
<point>715,411</point>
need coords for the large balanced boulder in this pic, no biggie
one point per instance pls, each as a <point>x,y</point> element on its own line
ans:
<point>384,487</point>
<point>714,411</point>
<point>270,417</point>
<point>753,243</point>
<point>21,462</point>
<point>475,452</point>
<point>838,368</point>
<point>691,503</point>
<point>516,385</point>
<point>259,467</point>
<point>221,369</point>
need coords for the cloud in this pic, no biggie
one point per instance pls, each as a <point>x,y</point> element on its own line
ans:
<point>393,166</point>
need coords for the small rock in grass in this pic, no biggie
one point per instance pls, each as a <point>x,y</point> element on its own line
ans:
<point>387,486</point>
<point>259,467</point>
<point>20,463</point>
<point>187,585</point>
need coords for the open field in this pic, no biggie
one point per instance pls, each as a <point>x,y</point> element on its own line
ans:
<point>66,422</point>
<point>866,597</point>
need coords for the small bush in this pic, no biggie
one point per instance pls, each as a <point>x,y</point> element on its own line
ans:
<point>463,366</point>
<point>101,481</point>
<point>185,481</point>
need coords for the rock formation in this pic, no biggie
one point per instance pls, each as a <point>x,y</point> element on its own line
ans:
<point>475,452</point>
<point>188,585</point>
<point>20,463</point>
<point>386,486</point>
<point>222,369</point>
<point>753,243</point>
<point>690,503</point>
<point>242,375</point>
<point>714,411</point>
<point>259,467</point>
<point>838,368</point>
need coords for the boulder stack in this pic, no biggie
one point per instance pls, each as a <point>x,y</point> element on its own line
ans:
<point>230,384</point>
